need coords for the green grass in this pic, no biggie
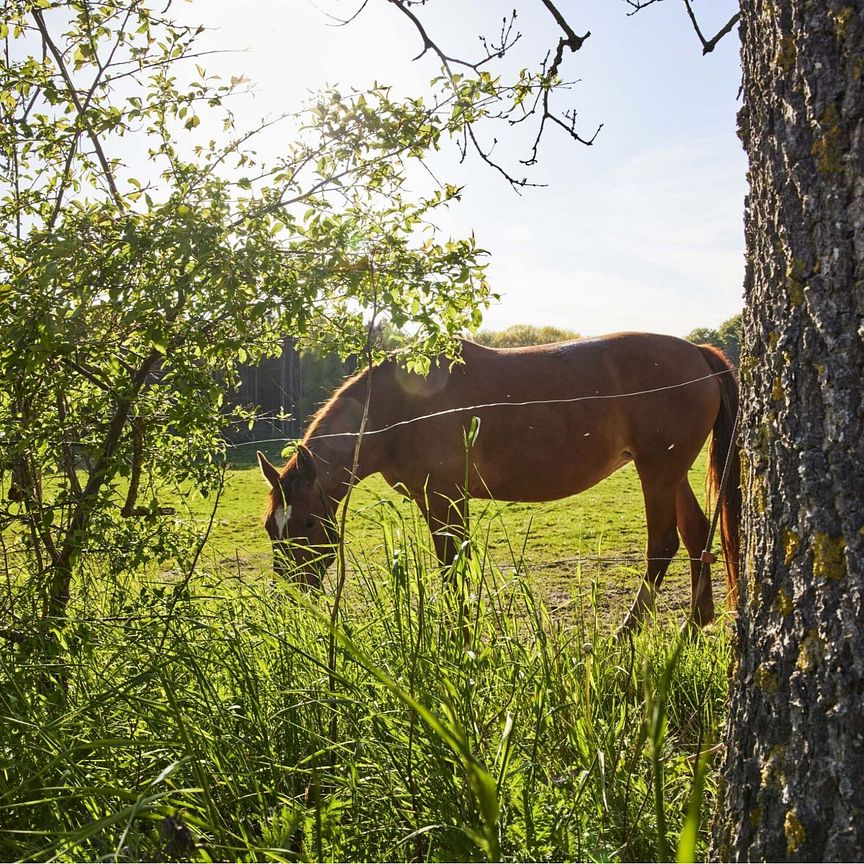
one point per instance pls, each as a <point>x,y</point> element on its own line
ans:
<point>201,719</point>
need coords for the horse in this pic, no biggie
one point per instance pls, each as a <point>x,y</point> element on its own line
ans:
<point>554,420</point>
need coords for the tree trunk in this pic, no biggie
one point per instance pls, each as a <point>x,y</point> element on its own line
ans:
<point>794,763</point>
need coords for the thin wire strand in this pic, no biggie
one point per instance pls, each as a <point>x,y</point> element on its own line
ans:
<point>446,411</point>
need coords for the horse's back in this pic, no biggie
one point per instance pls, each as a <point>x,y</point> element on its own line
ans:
<point>556,419</point>
<point>620,375</point>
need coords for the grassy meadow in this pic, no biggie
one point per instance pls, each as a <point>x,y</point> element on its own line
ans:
<point>213,713</point>
<point>596,536</point>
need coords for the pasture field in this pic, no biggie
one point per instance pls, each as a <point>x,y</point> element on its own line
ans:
<point>596,536</point>
<point>214,713</point>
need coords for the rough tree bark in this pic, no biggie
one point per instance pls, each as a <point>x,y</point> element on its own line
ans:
<point>794,763</point>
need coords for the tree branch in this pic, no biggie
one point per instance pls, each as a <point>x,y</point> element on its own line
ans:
<point>137,424</point>
<point>639,5</point>
<point>569,40</point>
<point>430,44</point>
<point>82,107</point>
<point>708,45</point>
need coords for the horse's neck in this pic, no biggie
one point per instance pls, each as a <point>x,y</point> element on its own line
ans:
<point>333,439</point>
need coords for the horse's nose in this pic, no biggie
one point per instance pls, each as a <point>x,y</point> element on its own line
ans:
<point>281,566</point>
<point>310,579</point>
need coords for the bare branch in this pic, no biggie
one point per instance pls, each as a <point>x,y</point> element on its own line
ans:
<point>570,127</point>
<point>342,22</point>
<point>486,157</point>
<point>708,45</point>
<point>639,5</point>
<point>430,45</point>
<point>569,40</point>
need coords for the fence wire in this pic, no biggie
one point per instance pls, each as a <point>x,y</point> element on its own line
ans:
<point>484,405</point>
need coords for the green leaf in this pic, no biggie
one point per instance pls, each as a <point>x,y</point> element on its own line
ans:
<point>159,342</point>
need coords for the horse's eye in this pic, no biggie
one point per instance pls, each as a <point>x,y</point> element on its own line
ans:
<point>310,523</point>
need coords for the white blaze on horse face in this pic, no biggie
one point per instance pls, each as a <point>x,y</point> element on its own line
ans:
<point>281,515</point>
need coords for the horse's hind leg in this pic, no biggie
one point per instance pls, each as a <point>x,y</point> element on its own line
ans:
<point>660,515</point>
<point>693,525</point>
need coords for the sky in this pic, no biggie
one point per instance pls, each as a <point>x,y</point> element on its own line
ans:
<point>641,231</point>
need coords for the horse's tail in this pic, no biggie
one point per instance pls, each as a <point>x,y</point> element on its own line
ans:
<point>724,448</point>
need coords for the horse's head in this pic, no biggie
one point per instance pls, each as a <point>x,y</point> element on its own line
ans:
<point>299,519</point>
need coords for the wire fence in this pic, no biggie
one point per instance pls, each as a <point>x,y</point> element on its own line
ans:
<point>507,404</point>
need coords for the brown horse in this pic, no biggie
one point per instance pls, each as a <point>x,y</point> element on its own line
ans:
<point>555,419</point>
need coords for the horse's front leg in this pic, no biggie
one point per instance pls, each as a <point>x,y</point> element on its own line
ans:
<point>448,523</point>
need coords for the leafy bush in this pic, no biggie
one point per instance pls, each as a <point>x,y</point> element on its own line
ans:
<point>127,303</point>
<point>523,334</point>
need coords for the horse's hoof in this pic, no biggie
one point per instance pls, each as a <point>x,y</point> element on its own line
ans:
<point>626,631</point>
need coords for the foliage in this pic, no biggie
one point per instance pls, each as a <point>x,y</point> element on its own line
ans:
<point>523,334</point>
<point>323,370</point>
<point>126,302</point>
<point>727,337</point>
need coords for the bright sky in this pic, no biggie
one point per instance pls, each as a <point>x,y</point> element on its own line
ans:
<point>642,231</point>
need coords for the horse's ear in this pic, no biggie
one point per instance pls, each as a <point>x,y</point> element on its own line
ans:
<point>306,464</point>
<point>270,472</point>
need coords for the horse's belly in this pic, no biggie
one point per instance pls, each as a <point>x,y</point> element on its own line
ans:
<point>543,479</point>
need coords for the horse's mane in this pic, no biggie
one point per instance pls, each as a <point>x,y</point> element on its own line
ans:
<point>355,380</point>
<point>323,412</point>
<point>275,497</point>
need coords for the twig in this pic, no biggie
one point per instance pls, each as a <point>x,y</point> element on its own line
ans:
<point>710,44</point>
<point>81,108</point>
<point>352,480</point>
<point>180,587</point>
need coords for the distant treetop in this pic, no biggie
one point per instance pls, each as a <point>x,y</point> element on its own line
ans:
<point>727,337</point>
<point>523,334</point>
